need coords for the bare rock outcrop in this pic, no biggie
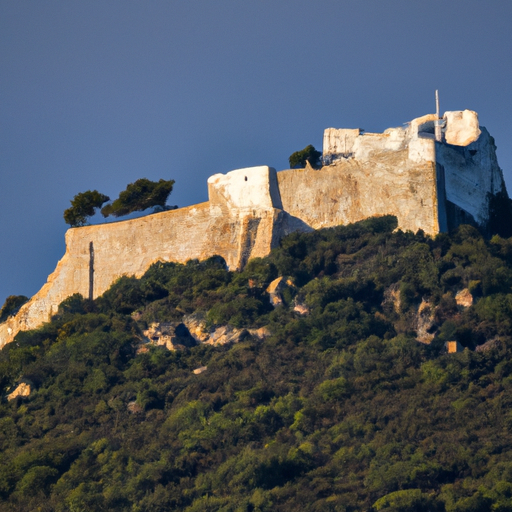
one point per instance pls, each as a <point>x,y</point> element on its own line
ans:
<point>425,322</point>
<point>491,344</point>
<point>300,307</point>
<point>421,316</point>
<point>22,389</point>
<point>173,335</point>
<point>276,288</point>
<point>194,331</point>
<point>392,298</point>
<point>196,325</point>
<point>219,335</point>
<point>226,334</point>
<point>134,408</point>
<point>464,299</point>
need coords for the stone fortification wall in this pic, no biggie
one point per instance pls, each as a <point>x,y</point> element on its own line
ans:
<point>354,143</point>
<point>402,171</point>
<point>98,255</point>
<point>471,175</point>
<point>350,190</point>
<point>466,174</point>
<point>393,172</point>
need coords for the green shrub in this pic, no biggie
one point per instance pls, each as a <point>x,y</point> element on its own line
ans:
<point>11,306</point>
<point>84,205</point>
<point>308,154</point>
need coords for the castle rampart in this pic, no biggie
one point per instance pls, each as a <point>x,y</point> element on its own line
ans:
<point>402,171</point>
<point>130,247</point>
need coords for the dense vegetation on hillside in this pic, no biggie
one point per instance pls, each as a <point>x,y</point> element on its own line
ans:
<point>340,409</point>
<point>11,306</point>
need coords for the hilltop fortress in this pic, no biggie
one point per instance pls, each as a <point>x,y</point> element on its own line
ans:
<point>428,184</point>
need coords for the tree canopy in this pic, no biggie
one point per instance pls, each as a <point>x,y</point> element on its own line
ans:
<point>83,206</point>
<point>338,409</point>
<point>308,154</point>
<point>11,306</point>
<point>139,196</point>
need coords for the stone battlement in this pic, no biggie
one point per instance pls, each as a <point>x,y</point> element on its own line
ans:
<point>426,184</point>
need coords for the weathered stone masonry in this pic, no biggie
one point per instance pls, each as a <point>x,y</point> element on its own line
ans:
<point>402,171</point>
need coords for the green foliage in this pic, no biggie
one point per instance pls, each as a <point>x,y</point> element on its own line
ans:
<point>408,500</point>
<point>74,304</point>
<point>11,306</point>
<point>139,196</point>
<point>308,154</point>
<point>500,218</point>
<point>338,409</point>
<point>83,206</point>
<point>37,479</point>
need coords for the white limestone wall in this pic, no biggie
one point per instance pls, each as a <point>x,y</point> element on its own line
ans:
<point>467,168</point>
<point>364,146</point>
<point>469,162</point>
<point>402,171</point>
<point>339,140</point>
<point>245,189</point>
<point>471,173</point>
<point>130,247</point>
<point>422,150</point>
<point>382,183</point>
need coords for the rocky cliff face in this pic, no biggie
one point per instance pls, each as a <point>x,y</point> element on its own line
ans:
<point>403,172</point>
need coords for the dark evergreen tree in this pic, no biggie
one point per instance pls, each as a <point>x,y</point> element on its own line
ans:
<point>11,306</point>
<point>83,206</point>
<point>139,196</point>
<point>308,154</point>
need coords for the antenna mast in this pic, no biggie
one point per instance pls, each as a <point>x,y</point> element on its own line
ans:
<point>437,122</point>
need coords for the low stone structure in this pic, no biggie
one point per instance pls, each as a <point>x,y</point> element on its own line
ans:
<point>427,184</point>
<point>172,335</point>
<point>452,347</point>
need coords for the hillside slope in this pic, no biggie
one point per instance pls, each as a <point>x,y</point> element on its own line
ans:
<point>327,402</point>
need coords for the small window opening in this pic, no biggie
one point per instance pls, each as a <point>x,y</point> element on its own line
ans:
<point>246,178</point>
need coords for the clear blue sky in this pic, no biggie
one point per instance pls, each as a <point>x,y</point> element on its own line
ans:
<point>96,94</point>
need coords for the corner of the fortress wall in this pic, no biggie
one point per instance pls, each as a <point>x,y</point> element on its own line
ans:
<point>441,220</point>
<point>22,320</point>
<point>467,163</point>
<point>421,141</point>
